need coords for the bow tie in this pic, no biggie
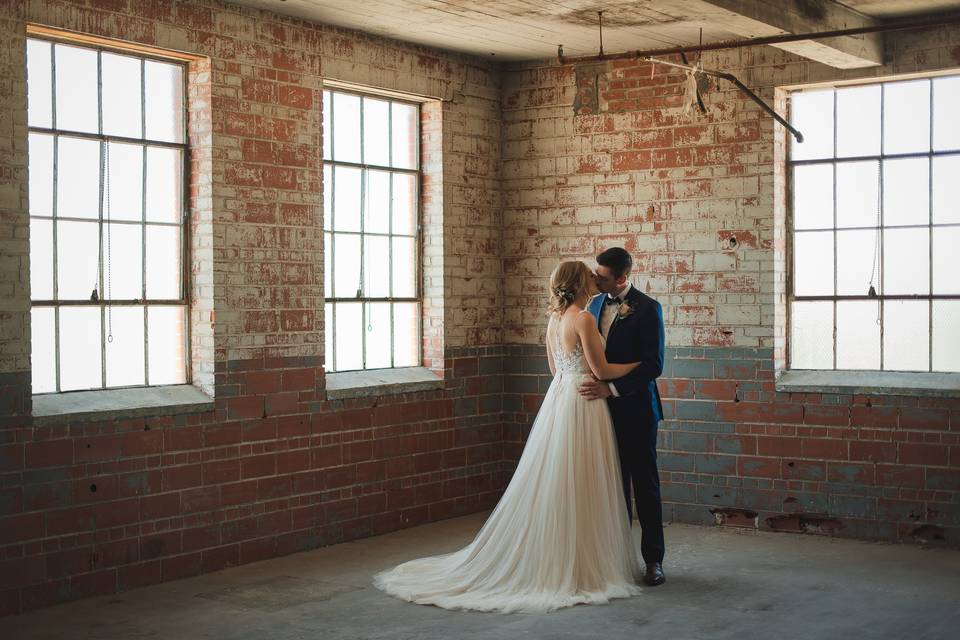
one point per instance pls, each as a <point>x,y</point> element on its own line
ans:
<point>610,300</point>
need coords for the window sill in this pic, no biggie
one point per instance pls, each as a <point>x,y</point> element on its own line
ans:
<point>890,383</point>
<point>113,404</point>
<point>380,382</point>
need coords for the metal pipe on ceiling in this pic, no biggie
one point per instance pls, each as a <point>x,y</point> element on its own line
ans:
<point>929,21</point>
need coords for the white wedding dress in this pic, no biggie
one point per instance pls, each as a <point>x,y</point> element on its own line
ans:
<point>559,535</point>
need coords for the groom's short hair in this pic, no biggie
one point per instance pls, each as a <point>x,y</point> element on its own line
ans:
<point>617,260</point>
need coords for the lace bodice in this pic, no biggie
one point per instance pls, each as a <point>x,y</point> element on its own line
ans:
<point>574,362</point>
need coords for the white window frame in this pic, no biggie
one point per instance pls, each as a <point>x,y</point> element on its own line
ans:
<point>105,304</point>
<point>930,154</point>
<point>331,301</point>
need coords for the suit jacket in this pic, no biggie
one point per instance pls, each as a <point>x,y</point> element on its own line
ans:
<point>638,336</point>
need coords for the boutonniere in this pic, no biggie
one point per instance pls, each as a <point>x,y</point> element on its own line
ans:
<point>624,310</point>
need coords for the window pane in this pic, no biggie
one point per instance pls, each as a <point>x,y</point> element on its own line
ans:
<point>125,183</point>
<point>906,261</point>
<point>328,336</point>
<point>813,196</point>
<point>41,259</point>
<point>811,335</point>
<point>327,197</point>
<point>346,265</point>
<point>78,253</point>
<point>349,336</point>
<point>78,178</point>
<point>121,95</point>
<point>163,262</point>
<point>41,174</point>
<point>42,352</point>
<point>378,335</point>
<point>946,127</point>
<point>813,263</point>
<point>946,189</point>
<point>858,121</point>
<point>405,139</point>
<point>858,185</point>
<point>163,90</point>
<point>327,131</point>
<point>376,217</point>
<point>125,351</point>
<point>858,334</point>
<point>946,335</point>
<point>855,262</point>
<point>164,184</point>
<point>39,87</point>
<point>906,335</point>
<point>376,132</point>
<point>327,271</point>
<point>404,204</point>
<point>123,261</point>
<point>76,88</point>
<point>80,357</point>
<point>346,127</point>
<point>906,116</point>
<point>906,191</point>
<point>376,275</point>
<point>166,342</point>
<point>404,265</point>
<point>406,332</point>
<point>346,199</point>
<point>946,261</point>
<point>811,112</point>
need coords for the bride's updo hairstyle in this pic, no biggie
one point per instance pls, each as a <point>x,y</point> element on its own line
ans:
<point>566,282</point>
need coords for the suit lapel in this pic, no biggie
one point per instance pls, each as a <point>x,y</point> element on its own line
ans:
<point>596,308</point>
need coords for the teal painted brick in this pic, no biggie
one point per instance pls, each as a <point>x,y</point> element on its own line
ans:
<point>691,442</point>
<point>695,410</point>
<point>853,507</point>
<point>674,462</point>
<point>717,464</point>
<point>692,369</point>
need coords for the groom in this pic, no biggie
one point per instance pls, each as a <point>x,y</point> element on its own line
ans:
<point>632,324</point>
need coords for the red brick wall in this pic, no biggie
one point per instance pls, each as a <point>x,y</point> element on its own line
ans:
<point>94,507</point>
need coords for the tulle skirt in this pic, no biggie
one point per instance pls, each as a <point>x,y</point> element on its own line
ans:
<point>559,535</point>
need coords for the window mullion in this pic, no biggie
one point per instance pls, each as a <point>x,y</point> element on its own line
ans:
<point>930,233</point>
<point>881,231</point>
<point>143,225</point>
<point>102,192</point>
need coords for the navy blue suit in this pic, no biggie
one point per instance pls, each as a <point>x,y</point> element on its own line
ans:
<point>638,336</point>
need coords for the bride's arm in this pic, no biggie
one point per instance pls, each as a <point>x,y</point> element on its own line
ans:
<point>593,350</point>
<point>551,327</point>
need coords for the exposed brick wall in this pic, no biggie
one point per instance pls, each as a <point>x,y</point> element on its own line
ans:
<point>514,180</point>
<point>94,507</point>
<point>632,170</point>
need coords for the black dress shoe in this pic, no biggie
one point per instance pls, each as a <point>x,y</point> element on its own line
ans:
<point>654,575</point>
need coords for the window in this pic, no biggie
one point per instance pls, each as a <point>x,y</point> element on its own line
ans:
<point>106,180</point>
<point>371,178</point>
<point>875,227</point>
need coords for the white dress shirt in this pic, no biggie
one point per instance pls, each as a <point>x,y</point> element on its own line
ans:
<point>607,316</point>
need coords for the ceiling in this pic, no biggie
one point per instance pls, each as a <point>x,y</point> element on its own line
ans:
<point>513,30</point>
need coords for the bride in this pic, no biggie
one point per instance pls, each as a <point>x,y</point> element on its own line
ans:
<point>559,535</point>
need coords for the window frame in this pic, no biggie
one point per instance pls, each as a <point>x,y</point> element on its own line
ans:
<point>833,161</point>
<point>142,54</point>
<point>364,168</point>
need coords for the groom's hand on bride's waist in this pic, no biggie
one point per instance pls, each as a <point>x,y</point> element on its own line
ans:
<point>594,389</point>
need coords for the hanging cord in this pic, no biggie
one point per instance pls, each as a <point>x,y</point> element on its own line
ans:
<point>600,16</point>
<point>106,182</point>
<point>875,267</point>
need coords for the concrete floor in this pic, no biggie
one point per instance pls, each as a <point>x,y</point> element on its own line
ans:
<point>721,583</point>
